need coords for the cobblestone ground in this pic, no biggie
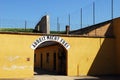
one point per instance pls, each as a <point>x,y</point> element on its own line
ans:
<point>56,77</point>
<point>45,75</point>
<point>74,78</point>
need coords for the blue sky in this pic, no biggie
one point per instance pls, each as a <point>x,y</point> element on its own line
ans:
<point>16,11</point>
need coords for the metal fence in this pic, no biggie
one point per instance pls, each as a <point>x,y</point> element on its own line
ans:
<point>14,23</point>
<point>93,13</point>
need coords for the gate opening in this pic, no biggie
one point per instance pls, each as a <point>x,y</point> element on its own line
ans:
<point>50,57</point>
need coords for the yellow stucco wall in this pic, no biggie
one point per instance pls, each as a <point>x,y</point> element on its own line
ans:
<point>86,56</point>
<point>91,56</point>
<point>16,56</point>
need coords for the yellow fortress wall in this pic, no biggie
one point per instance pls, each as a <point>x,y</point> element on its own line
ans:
<point>91,56</point>
<point>86,55</point>
<point>16,56</point>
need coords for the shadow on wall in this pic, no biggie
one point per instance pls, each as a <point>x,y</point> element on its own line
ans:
<point>104,62</point>
<point>109,32</point>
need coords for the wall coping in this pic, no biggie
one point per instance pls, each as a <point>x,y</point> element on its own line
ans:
<point>62,35</point>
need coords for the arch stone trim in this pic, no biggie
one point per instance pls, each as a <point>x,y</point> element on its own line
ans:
<point>42,39</point>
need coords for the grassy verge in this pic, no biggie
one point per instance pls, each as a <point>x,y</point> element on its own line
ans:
<point>15,30</point>
<point>26,30</point>
<point>56,32</point>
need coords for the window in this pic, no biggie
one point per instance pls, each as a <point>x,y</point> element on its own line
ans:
<point>47,58</point>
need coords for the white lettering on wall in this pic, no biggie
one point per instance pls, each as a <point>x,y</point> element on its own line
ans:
<point>42,39</point>
<point>13,58</point>
<point>16,67</point>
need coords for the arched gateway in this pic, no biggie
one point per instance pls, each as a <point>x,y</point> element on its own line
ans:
<point>43,39</point>
<point>50,53</point>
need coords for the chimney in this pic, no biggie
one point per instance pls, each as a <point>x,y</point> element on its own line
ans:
<point>67,29</point>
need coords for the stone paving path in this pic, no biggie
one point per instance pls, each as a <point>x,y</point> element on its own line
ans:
<point>45,75</point>
<point>54,77</point>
